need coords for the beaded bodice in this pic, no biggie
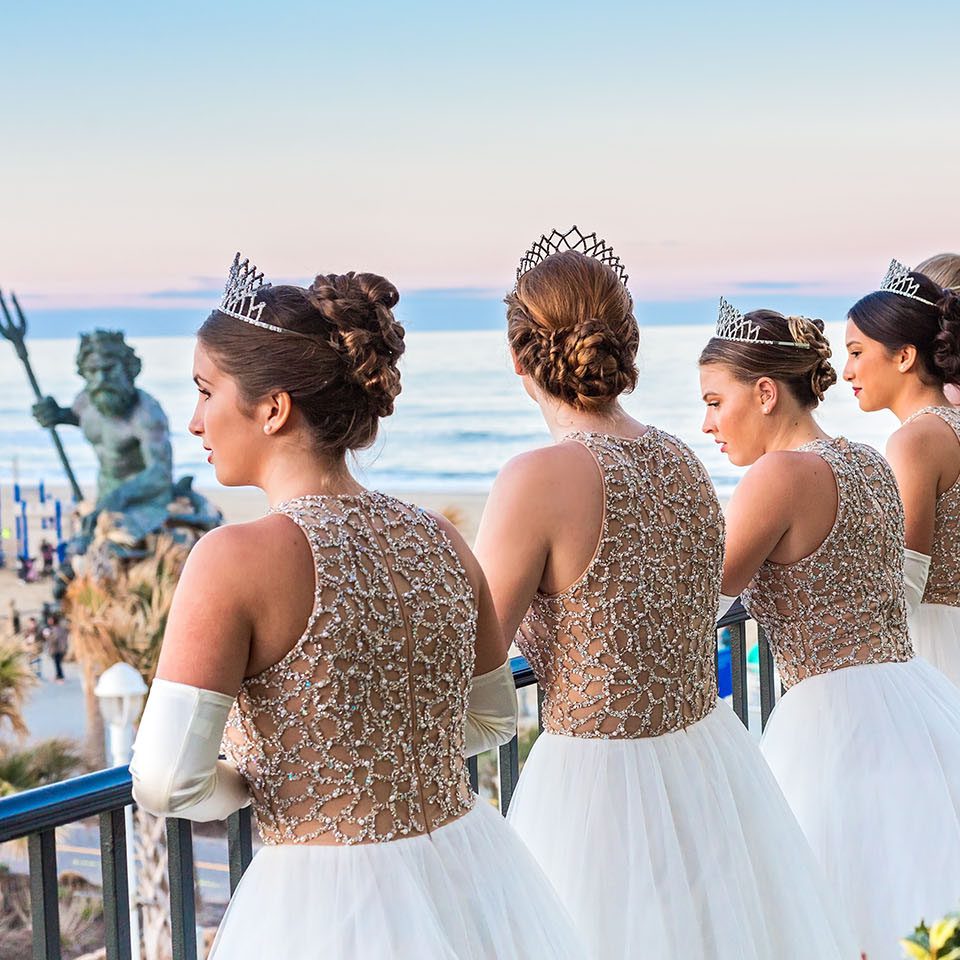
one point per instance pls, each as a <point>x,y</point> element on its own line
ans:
<point>356,735</point>
<point>844,603</point>
<point>943,583</point>
<point>629,650</point>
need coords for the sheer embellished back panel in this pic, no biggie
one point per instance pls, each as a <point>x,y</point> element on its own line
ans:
<point>356,735</point>
<point>844,604</point>
<point>629,650</point>
<point>943,583</point>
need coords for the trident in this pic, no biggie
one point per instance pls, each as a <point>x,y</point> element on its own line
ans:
<point>16,333</point>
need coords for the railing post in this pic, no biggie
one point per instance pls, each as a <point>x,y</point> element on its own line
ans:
<point>183,907</point>
<point>738,670</point>
<point>509,772</point>
<point>473,768</point>
<point>116,889</point>
<point>44,895</point>
<point>239,844</point>
<point>768,695</point>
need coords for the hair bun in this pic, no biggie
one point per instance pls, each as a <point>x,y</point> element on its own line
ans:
<point>586,365</point>
<point>946,348</point>
<point>811,332</point>
<point>571,329</point>
<point>363,332</point>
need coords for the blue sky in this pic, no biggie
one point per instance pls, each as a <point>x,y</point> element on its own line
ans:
<point>719,147</point>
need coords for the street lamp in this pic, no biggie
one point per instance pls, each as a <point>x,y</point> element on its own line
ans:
<point>121,691</point>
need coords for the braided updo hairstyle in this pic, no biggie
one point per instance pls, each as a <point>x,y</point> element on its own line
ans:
<point>338,363</point>
<point>807,373</point>
<point>933,328</point>
<point>571,327</point>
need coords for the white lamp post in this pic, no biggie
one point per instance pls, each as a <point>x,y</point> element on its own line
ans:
<point>120,691</point>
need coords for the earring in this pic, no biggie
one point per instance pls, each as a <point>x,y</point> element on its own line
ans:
<point>266,428</point>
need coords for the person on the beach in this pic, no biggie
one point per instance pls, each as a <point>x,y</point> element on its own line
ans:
<point>903,347</point>
<point>645,800</point>
<point>47,554</point>
<point>13,617</point>
<point>56,639</point>
<point>351,639</point>
<point>865,741</point>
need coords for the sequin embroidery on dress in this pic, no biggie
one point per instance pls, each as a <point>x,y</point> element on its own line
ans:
<point>629,650</point>
<point>842,605</point>
<point>356,735</point>
<point>943,583</point>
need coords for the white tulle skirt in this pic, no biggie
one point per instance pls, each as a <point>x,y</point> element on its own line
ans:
<point>935,631</point>
<point>468,891</point>
<point>676,846</point>
<point>869,759</point>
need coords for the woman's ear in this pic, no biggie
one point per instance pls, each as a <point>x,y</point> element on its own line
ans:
<point>906,358</point>
<point>767,394</point>
<point>276,411</point>
<point>517,369</point>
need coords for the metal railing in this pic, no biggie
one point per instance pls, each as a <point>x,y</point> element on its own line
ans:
<point>35,814</point>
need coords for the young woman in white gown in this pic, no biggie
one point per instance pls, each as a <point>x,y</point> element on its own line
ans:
<point>340,633</point>
<point>903,347</point>
<point>865,740</point>
<point>645,800</point>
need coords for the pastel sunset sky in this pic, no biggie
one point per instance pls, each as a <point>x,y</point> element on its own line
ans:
<point>721,147</point>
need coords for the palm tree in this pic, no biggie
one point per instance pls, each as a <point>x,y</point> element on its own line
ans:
<point>118,609</point>
<point>46,762</point>
<point>16,680</point>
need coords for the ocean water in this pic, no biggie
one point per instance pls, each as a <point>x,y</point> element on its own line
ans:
<point>461,415</point>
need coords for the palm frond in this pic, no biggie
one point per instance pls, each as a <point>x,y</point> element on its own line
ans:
<point>16,680</point>
<point>123,616</point>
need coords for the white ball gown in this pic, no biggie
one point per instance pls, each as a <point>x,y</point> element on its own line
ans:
<point>935,625</point>
<point>645,800</point>
<point>352,746</point>
<point>865,741</point>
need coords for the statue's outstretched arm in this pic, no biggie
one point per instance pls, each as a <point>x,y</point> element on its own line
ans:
<point>49,413</point>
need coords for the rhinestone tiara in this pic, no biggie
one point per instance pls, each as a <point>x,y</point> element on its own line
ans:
<point>899,281</point>
<point>573,239</point>
<point>733,325</point>
<point>240,295</point>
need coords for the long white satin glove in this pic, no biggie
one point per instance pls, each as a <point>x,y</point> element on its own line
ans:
<point>724,605</point>
<point>491,711</point>
<point>175,767</point>
<point>916,568</point>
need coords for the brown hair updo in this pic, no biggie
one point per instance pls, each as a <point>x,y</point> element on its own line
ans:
<point>807,373</point>
<point>571,327</point>
<point>942,268</point>
<point>338,362</point>
<point>933,328</point>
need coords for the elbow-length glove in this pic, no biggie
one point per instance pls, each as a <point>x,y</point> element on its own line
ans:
<point>491,711</point>
<point>175,767</point>
<point>916,568</point>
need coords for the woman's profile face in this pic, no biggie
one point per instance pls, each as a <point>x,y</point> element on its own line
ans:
<point>871,369</point>
<point>231,436</point>
<point>734,416</point>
